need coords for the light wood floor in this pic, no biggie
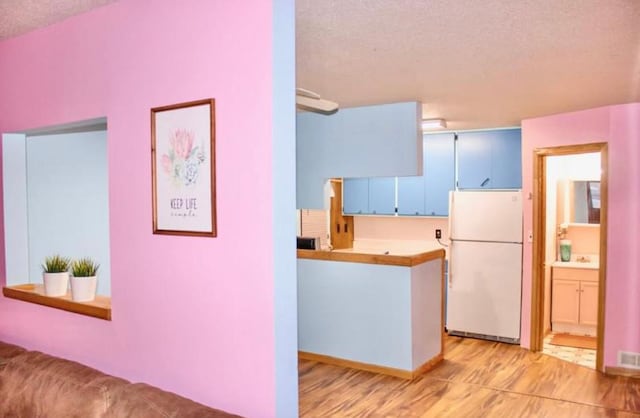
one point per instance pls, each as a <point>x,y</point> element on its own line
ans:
<point>476,379</point>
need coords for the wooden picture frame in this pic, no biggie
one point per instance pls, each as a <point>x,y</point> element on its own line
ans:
<point>183,169</point>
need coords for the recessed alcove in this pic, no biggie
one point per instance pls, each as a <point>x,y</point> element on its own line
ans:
<point>56,201</point>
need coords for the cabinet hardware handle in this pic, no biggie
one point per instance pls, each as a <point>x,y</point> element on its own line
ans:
<point>484,183</point>
<point>346,228</point>
<point>338,226</point>
<point>450,267</point>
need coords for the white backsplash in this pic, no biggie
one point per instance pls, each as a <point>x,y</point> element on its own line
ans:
<point>395,246</point>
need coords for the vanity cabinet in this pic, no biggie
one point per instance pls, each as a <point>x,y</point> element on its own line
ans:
<point>588,303</point>
<point>565,303</point>
<point>574,300</point>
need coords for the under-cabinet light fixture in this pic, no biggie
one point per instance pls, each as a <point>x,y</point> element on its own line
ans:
<point>428,124</point>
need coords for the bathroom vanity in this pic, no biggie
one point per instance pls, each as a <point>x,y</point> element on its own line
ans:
<point>574,304</point>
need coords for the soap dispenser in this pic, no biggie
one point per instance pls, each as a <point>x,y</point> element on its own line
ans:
<point>565,250</point>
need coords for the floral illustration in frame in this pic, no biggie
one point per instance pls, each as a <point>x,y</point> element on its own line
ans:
<point>183,168</point>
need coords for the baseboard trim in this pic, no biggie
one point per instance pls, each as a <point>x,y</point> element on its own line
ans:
<point>428,365</point>
<point>622,371</point>
<point>374,368</point>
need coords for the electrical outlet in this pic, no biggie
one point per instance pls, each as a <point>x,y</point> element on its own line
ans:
<point>438,233</point>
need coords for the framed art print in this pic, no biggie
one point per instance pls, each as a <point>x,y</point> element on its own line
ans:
<point>183,168</point>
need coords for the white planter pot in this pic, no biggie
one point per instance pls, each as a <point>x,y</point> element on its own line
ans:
<point>55,284</point>
<point>83,289</point>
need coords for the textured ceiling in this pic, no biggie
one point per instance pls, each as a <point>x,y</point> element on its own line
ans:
<point>476,63</point>
<point>20,16</point>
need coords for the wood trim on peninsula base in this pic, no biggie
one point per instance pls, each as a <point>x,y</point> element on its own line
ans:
<point>403,374</point>
<point>622,371</point>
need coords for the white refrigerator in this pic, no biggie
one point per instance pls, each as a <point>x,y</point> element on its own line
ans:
<point>485,264</point>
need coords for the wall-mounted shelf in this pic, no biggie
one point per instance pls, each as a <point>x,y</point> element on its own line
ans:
<point>100,307</point>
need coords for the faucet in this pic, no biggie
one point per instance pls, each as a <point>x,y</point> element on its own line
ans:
<point>562,231</point>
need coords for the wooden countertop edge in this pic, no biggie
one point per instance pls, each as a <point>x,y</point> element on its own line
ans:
<point>384,259</point>
<point>100,307</point>
<point>590,267</point>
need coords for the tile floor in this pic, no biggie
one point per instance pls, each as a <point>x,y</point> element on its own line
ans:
<point>581,356</point>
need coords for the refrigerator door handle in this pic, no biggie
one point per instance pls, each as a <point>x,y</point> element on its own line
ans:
<point>450,272</point>
<point>450,217</point>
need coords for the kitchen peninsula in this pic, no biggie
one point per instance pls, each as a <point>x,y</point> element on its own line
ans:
<point>372,310</point>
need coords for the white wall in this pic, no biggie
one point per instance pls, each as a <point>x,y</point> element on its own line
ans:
<point>16,223</point>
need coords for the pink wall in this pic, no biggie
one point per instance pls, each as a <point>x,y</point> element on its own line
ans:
<point>620,127</point>
<point>585,240</point>
<point>190,315</point>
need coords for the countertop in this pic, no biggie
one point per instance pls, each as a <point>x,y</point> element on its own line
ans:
<point>391,258</point>
<point>576,265</point>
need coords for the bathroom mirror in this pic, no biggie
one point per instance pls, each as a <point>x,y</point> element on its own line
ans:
<point>579,202</point>
<point>586,202</point>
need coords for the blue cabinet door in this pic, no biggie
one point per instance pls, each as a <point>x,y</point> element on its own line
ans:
<point>355,196</point>
<point>382,195</point>
<point>506,156</point>
<point>474,160</point>
<point>411,195</point>
<point>490,159</point>
<point>439,173</point>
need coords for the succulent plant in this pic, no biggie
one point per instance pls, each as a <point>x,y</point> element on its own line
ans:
<point>56,264</point>
<point>84,267</point>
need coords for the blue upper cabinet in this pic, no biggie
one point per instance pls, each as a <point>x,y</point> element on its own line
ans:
<point>369,196</point>
<point>474,160</point>
<point>486,160</point>
<point>439,173</point>
<point>382,195</point>
<point>489,159</point>
<point>355,196</point>
<point>506,170</point>
<point>411,195</point>
<point>358,142</point>
<point>429,194</point>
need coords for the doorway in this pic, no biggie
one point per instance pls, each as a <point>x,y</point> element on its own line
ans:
<point>542,240</point>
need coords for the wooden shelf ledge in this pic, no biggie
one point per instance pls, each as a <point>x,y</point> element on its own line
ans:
<point>100,307</point>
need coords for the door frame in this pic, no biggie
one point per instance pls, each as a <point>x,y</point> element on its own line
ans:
<point>539,240</point>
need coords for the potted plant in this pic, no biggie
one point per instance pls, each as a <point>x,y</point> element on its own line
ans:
<point>55,275</point>
<point>84,279</point>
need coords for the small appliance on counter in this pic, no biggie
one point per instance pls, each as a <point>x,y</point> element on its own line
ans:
<point>307,243</point>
